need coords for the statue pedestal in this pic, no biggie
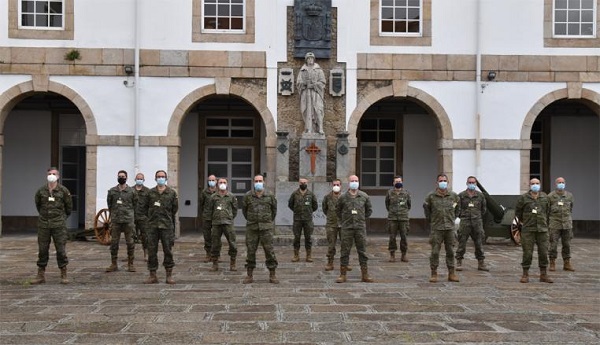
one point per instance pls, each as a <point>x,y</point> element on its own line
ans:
<point>313,157</point>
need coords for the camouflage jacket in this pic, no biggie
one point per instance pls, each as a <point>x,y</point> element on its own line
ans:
<point>397,203</point>
<point>259,211</point>
<point>533,213</point>
<point>561,209</point>
<point>353,211</point>
<point>471,207</point>
<point>203,202</point>
<point>142,200</point>
<point>53,206</point>
<point>222,208</point>
<point>303,205</point>
<point>162,208</point>
<point>121,204</point>
<point>441,210</point>
<point>328,205</point>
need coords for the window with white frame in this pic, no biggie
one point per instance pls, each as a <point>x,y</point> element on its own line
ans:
<point>223,16</point>
<point>401,17</point>
<point>574,18</point>
<point>41,14</point>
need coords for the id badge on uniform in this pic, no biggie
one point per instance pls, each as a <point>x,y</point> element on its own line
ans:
<point>453,205</point>
<point>354,212</point>
<point>50,198</point>
<point>307,203</point>
<point>560,203</point>
<point>534,211</point>
<point>401,203</point>
<point>219,208</point>
<point>157,203</point>
<point>471,204</point>
<point>119,201</point>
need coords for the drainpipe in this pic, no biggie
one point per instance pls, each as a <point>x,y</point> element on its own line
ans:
<point>136,102</point>
<point>479,93</point>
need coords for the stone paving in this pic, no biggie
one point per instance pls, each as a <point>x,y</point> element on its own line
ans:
<point>307,307</point>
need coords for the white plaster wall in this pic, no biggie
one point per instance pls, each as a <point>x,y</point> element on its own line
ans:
<point>26,159</point>
<point>500,171</point>
<point>7,81</point>
<point>111,159</point>
<point>188,167</point>
<point>575,155</point>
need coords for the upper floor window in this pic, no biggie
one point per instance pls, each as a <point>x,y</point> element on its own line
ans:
<point>401,17</point>
<point>223,15</point>
<point>574,18</point>
<point>41,14</point>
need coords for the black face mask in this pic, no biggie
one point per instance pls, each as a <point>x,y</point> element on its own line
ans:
<point>398,185</point>
<point>121,180</point>
<point>303,186</point>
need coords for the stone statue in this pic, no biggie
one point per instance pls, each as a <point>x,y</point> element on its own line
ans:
<point>311,83</point>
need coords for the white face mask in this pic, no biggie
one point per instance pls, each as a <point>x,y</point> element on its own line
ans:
<point>223,186</point>
<point>52,178</point>
<point>336,189</point>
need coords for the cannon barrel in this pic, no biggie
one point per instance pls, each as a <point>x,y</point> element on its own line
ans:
<point>493,207</point>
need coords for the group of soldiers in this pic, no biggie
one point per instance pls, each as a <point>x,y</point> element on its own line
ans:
<point>149,215</point>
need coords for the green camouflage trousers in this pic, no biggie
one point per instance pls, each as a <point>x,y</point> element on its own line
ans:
<point>297,229</point>
<point>59,236</point>
<point>396,228</point>
<point>564,235</point>
<point>357,237</point>
<point>473,229</point>
<point>140,230</point>
<point>333,232</point>
<point>254,237</point>
<point>166,238</point>
<point>437,237</point>
<point>115,234</point>
<point>217,231</point>
<point>528,240</point>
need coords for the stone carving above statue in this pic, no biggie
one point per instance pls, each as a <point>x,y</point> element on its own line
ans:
<point>312,28</point>
<point>311,85</point>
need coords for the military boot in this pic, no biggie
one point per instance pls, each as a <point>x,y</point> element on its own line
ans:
<point>215,264</point>
<point>40,278</point>
<point>567,266</point>
<point>169,279</point>
<point>552,265</point>
<point>249,279</point>
<point>544,276</point>
<point>329,266</point>
<point>152,279</point>
<point>63,275</point>
<point>403,258</point>
<point>207,257</point>
<point>452,277</point>
<point>365,275</point>
<point>481,265</point>
<point>113,265</point>
<point>130,264</point>
<point>342,277</point>
<point>525,277</point>
<point>392,256</point>
<point>272,278</point>
<point>434,277</point>
<point>459,265</point>
<point>309,255</point>
<point>232,266</point>
<point>296,257</point>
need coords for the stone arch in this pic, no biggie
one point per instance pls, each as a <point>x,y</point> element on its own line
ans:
<point>17,93</point>
<point>434,108</point>
<point>573,91</point>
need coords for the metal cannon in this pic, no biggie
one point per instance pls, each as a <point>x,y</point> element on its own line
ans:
<point>499,220</point>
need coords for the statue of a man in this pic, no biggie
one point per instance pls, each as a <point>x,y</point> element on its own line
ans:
<point>311,83</point>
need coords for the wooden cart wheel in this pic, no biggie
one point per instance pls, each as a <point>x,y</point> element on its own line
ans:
<point>515,231</point>
<point>102,226</point>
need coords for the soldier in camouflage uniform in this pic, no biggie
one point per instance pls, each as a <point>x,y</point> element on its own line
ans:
<point>397,203</point>
<point>440,208</point>
<point>560,224</point>
<point>222,209</point>
<point>121,201</point>
<point>332,226</point>
<point>533,209</point>
<point>141,219</point>
<point>203,209</point>
<point>260,208</point>
<point>54,204</point>
<point>303,203</point>
<point>352,209</point>
<point>161,208</point>
<point>471,208</point>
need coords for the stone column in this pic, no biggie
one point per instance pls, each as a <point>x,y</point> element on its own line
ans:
<point>283,156</point>
<point>342,157</point>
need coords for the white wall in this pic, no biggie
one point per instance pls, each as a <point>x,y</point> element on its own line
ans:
<point>188,167</point>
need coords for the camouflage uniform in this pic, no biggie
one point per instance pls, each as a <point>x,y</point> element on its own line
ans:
<point>303,206</point>
<point>560,223</point>
<point>260,212</point>
<point>332,226</point>
<point>440,211</point>
<point>222,209</point>
<point>352,212</point>
<point>161,210</point>
<point>141,219</point>
<point>206,224</point>
<point>397,203</point>
<point>471,210</point>
<point>121,204</point>
<point>533,214</point>
<point>53,207</point>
